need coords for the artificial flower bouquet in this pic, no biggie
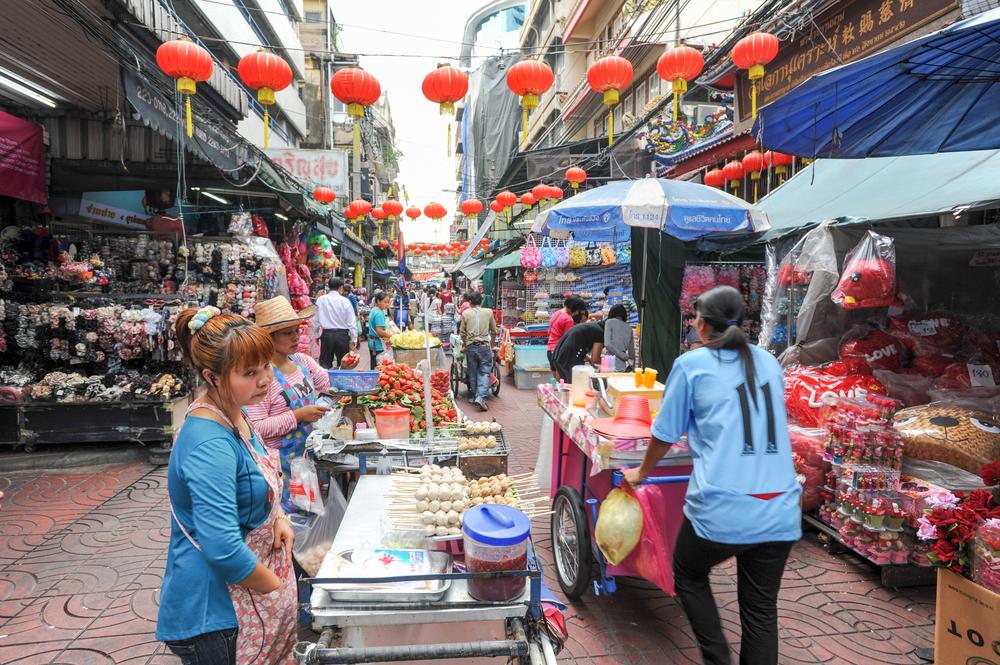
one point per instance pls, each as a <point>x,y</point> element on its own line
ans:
<point>953,524</point>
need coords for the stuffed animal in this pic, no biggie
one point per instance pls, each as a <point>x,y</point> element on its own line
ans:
<point>879,349</point>
<point>866,283</point>
<point>950,433</point>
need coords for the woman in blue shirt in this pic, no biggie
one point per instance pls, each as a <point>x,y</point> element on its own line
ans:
<point>743,499</point>
<point>229,559</point>
<point>378,331</point>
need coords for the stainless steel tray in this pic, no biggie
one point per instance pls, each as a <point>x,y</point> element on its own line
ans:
<point>441,562</point>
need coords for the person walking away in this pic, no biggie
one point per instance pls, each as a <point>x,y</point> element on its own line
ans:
<point>229,555</point>
<point>743,499</point>
<point>464,305</point>
<point>574,307</point>
<point>478,331</point>
<point>336,318</point>
<point>285,417</point>
<point>619,338</point>
<point>582,344</point>
<point>378,328</point>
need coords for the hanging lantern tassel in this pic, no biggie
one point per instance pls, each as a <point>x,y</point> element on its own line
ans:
<point>611,100</point>
<point>186,87</point>
<point>679,87</point>
<point>756,73</point>
<point>528,102</point>
<point>449,139</point>
<point>356,111</point>
<point>267,127</point>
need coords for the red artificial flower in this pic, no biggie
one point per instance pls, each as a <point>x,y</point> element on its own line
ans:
<point>991,473</point>
<point>944,551</point>
<point>980,502</point>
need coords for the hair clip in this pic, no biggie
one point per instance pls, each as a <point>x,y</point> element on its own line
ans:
<point>201,317</point>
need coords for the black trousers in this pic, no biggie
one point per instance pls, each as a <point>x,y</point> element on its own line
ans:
<point>216,648</point>
<point>333,345</point>
<point>758,569</point>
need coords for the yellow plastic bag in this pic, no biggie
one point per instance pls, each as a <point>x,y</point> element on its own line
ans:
<point>619,525</point>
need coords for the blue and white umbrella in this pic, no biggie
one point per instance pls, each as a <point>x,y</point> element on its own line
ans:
<point>685,210</point>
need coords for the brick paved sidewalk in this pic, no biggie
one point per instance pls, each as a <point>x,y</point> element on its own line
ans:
<point>82,556</point>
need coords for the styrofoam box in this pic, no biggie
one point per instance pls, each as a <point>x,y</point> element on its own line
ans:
<point>529,379</point>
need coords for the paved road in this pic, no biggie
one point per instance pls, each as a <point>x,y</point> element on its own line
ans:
<point>82,556</point>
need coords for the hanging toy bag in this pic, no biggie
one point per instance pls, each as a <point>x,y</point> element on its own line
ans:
<point>869,276</point>
<point>549,259</point>
<point>577,257</point>
<point>562,254</point>
<point>531,255</point>
<point>608,257</point>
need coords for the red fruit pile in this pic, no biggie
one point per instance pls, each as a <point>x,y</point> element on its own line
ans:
<point>398,384</point>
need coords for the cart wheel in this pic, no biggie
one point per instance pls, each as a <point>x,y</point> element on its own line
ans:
<point>495,380</point>
<point>571,542</point>
<point>456,379</point>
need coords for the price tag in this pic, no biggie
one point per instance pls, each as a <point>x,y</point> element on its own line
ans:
<point>981,376</point>
<point>921,328</point>
<point>76,312</point>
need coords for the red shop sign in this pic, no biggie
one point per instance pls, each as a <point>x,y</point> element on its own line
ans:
<point>22,159</point>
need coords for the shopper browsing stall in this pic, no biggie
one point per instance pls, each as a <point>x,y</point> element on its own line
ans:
<point>743,498</point>
<point>574,311</point>
<point>619,338</point>
<point>336,318</point>
<point>582,344</point>
<point>478,331</point>
<point>285,416</point>
<point>378,327</point>
<point>229,557</point>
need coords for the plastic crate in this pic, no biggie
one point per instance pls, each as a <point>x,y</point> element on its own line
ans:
<point>350,381</point>
<point>529,379</point>
<point>531,356</point>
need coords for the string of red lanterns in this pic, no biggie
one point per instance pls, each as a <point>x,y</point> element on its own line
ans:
<point>266,73</point>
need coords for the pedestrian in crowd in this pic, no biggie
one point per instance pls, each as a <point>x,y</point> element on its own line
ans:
<point>401,309</point>
<point>573,311</point>
<point>378,328</point>
<point>583,343</point>
<point>619,338</point>
<point>435,302</point>
<point>336,318</point>
<point>351,295</point>
<point>465,304</point>
<point>478,330</point>
<point>743,499</point>
<point>229,557</point>
<point>606,308</point>
<point>285,417</point>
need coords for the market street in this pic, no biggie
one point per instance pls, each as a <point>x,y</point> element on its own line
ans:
<point>82,556</point>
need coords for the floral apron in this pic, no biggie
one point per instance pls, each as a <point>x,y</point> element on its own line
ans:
<point>268,623</point>
<point>294,443</point>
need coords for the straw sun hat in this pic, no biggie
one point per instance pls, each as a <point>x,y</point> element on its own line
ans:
<point>277,314</point>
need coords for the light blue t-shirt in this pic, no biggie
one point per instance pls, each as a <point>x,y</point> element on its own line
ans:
<point>376,319</point>
<point>219,494</point>
<point>743,488</point>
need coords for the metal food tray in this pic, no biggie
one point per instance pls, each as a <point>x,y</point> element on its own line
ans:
<point>441,562</point>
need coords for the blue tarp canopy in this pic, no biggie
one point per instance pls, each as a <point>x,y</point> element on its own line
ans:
<point>885,188</point>
<point>937,93</point>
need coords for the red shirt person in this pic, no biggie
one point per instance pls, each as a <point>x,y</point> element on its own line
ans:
<point>574,311</point>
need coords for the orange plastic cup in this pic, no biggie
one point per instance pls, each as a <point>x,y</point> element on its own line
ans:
<point>638,378</point>
<point>649,377</point>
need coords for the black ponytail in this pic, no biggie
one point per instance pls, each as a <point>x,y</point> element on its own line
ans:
<point>722,309</point>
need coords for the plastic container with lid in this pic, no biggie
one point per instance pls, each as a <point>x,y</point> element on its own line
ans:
<point>392,422</point>
<point>496,540</point>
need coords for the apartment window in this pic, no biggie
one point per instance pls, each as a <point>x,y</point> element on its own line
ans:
<point>314,17</point>
<point>599,126</point>
<point>654,85</point>
<point>627,104</point>
<point>618,118</point>
<point>640,97</point>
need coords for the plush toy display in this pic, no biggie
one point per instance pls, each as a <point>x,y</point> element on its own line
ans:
<point>869,276</point>
<point>950,433</point>
<point>928,334</point>
<point>879,349</point>
<point>806,388</point>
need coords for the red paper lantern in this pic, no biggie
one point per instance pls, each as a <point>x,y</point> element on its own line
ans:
<point>496,206</point>
<point>379,214</point>
<point>413,212</point>
<point>393,209</point>
<point>324,195</point>
<point>555,193</point>
<point>780,161</point>
<point>412,246</point>
<point>418,252</point>
<point>541,193</point>
<point>733,172</point>
<point>266,73</point>
<point>435,211</point>
<point>384,244</point>
<point>528,79</point>
<point>679,65</point>
<point>610,75</point>
<point>484,242</point>
<point>443,253</point>
<point>445,86</point>
<point>753,163</point>
<point>190,64</point>
<point>507,198</point>
<point>470,207</point>
<point>575,175</point>
<point>361,207</point>
<point>357,89</point>
<point>752,53</point>
<point>527,200</point>
<point>714,178</point>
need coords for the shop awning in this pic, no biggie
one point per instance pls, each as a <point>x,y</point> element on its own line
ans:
<point>512,260</point>
<point>474,269</point>
<point>885,188</point>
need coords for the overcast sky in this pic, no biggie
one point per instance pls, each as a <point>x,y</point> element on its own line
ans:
<point>433,28</point>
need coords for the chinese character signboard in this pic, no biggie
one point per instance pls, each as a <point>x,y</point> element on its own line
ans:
<point>851,30</point>
<point>314,167</point>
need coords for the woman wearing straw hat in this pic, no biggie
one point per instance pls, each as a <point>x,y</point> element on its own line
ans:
<point>285,416</point>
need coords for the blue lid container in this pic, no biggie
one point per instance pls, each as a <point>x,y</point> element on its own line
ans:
<point>496,525</point>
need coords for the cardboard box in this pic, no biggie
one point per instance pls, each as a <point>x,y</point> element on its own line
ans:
<point>967,624</point>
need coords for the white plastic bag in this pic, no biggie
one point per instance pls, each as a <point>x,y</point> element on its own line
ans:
<point>304,486</point>
<point>312,547</point>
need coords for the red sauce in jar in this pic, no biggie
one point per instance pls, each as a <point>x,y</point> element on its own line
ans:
<point>499,589</point>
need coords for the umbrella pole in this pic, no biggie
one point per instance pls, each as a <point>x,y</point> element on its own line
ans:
<point>642,301</point>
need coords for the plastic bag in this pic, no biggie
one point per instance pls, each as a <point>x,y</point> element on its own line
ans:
<point>562,255</point>
<point>310,550</point>
<point>929,334</point>
<point>304,486</point>
<point>661,522</point>
<point>619,525</point>
<point>548,254</point>
<point>240,224</point>
<point>869,275</point>
<point>879,349</point>
<point>807,448</point>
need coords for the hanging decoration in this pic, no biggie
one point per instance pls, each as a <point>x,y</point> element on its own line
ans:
<point>610,75</point>
<point>435,211</point>
<point>679,65</point>
<point>266,73</point>
<point>541,193</point>
<point>715,178</point>
<point>445,86</point>
<point>413,212</point>
<point>471,207</point>
<point>379,215</point>
<point>508,200</point>
<point>189,64</point>
<point>752,53</point>
<point>393,209</point>
<point>357,89</point>
<point>555,193</point>
<point>733,172</point>
<point>496,207</point>
<point>529,79</point>
<point>527,200</point>
<point>324,195</point>
<point>781,163</point>
<point>576,176</point>
<point>360,209</point>
<point>753,164</point>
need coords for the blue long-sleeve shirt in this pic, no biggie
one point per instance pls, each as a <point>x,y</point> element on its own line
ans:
<point>219,495</point>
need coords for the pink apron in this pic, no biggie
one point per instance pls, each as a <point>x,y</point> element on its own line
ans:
<point>268,623</point>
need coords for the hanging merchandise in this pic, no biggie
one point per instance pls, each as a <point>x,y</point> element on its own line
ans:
<point>445,86</point>
<point>593,255</point>
<point>747,278</point>
<point>357,89</point>
<point>577,256</point>
<point>875,347</point>
<point>548,253</point>
<point>806,388</point>
<point>869,275</point>
<point>608,257</point>
<point>529,79</point>
<point>623,253</point>
<point>240,224</point>
<point>266,73</point>
<point>562,254</point>
<point>531,255</point>
<point>610,75</point>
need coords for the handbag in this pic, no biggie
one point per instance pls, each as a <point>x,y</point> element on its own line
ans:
<point>577,257</point>
<point>608,257</point>
<point>562,255</point>
<point>531,256</point>
<point>548,254</point>
<point>624,253</point>
<point>593,255</point>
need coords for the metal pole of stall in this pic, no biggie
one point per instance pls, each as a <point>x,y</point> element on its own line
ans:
<point>428,400</point>
<point>642,301</point>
